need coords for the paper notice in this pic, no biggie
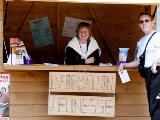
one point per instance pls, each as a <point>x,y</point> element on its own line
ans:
<point>124,76</point>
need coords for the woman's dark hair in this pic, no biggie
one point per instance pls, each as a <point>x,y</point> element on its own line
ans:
<point>145,13</point>
<point>82,25</point>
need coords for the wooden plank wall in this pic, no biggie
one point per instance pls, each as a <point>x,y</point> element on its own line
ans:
<point>29,98</point>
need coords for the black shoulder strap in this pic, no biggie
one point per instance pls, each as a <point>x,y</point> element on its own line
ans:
<point>148,42</point>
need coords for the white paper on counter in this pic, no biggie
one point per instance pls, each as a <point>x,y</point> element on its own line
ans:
<point>105,64</point>
<point>50,64</point>
<point>124,76</point>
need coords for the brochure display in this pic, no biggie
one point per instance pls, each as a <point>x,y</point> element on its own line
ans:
<point>18,52</point>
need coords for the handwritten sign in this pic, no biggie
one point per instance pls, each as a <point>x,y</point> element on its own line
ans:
<point>82,82</point>
<point>81,105</point>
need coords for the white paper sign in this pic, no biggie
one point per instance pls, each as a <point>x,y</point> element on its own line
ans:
<point>124,76</point>
<point>81,105</point>
<point>82,82</point>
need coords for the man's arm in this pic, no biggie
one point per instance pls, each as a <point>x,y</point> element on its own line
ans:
<point>132,64</point>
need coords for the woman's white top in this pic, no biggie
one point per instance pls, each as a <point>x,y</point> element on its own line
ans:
<point>83,48</point>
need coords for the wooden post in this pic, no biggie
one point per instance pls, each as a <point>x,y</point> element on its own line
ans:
<point>102,34</point>
<point>158,19</point>
<point>1,36</point>
<point>153,8</point>
<point>58,31</point>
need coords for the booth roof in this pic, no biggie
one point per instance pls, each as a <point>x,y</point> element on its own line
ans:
<point>144,2</point>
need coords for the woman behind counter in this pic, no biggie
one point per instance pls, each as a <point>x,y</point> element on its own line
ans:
<point>83,49</point>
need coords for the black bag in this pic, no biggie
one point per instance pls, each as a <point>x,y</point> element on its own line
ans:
<point>141,68</point>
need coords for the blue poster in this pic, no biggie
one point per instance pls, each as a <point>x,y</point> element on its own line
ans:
<point>41,32</point>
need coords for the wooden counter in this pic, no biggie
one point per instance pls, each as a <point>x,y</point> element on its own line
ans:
<point>29,93</point>
<point>41,67</point>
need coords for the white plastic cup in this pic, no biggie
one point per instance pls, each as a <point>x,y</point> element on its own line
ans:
<point>123,55</point>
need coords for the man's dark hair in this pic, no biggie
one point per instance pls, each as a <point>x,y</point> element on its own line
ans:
<point>145,13</point>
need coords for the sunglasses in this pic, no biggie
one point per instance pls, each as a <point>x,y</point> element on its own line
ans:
<point>143,21</point>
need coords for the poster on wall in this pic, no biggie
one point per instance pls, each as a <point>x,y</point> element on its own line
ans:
<point>4,96</point>
<point>41,32</point>
<point>70,25</point>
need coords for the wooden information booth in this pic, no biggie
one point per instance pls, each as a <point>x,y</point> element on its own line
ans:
<point>29,94</point>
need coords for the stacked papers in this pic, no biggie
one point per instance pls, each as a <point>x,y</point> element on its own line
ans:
<point>105,64</point>
<point>50,64</point>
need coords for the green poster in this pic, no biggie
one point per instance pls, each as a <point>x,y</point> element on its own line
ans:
<point>41,32</point>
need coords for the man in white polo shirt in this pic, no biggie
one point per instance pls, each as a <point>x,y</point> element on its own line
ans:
<point>150,43</point>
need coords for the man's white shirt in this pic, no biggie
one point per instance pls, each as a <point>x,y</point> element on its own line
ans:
<point>152,50</point>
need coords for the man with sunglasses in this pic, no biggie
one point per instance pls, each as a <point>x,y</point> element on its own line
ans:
<point>151,62</point>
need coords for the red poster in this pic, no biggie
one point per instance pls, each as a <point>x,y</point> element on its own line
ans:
<point>4,96</point>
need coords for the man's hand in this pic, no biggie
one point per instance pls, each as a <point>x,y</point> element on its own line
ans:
<point>121,67</point>
<point>153,67</point>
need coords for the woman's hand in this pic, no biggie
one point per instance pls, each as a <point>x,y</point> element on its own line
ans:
<point>89,60</point>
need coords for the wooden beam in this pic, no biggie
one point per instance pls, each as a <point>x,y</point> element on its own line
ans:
<point>144,2</point>
<point>1,36</point>
<point>153,8</point>
<point>24,19</point>
<point>58,40</point>
<point>102,34</point>
<point>158,19</point>
<point>1,15</point>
